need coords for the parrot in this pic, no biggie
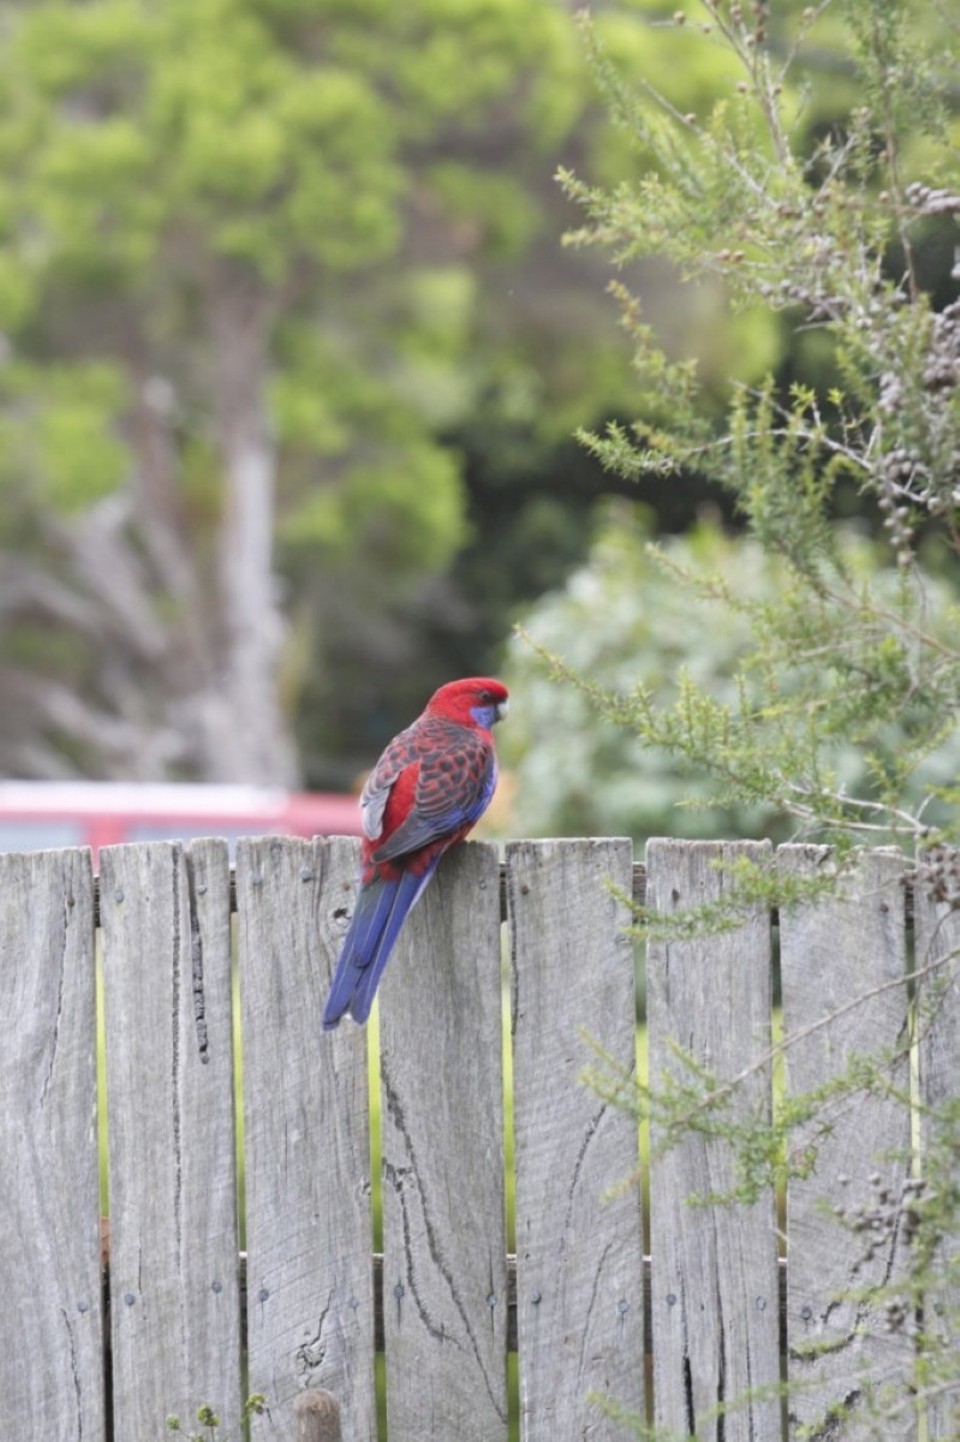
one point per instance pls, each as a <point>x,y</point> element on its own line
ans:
<point>428,789</point>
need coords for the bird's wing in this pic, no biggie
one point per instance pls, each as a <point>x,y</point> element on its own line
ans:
<point>454,772</point>
<point>402,753</point>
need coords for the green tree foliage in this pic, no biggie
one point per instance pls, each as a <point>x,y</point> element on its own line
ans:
<point>833,701</point>
<point>240,291</point>
<point>825,237</point>
<point>291,358</point>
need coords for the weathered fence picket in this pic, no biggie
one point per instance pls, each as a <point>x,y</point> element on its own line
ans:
<point>579,1253</point>
<point>831,955</point>
<point>310,1316</point>
<point>172,1184</point>
<point>444,1243</point>
<point>190,998</point>
<point>714,1285</point>
<point>51,1352</point>
<point>937,934</point>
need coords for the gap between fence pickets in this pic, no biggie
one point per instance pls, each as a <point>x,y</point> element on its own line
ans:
<point>639,894</point>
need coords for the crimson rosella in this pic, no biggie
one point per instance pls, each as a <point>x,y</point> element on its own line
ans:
<point>430,786</point>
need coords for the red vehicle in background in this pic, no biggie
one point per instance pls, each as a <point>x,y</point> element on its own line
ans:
<point>41,815</point>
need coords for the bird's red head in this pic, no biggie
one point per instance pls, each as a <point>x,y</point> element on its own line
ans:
<point>479,700</point>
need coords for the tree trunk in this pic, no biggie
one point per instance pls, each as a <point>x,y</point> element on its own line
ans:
<point>248,734</point>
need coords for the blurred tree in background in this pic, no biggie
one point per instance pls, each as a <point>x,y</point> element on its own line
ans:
<point>291,359</point>
<point>239,310</point>
<point>292,355</point>
<point>638,618</point>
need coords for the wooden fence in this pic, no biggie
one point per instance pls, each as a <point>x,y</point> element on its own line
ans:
<point>700,1334</point>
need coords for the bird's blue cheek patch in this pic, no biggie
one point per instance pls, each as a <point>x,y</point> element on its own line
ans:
<point>487,716</point>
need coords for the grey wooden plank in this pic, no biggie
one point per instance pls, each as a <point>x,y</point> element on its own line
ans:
<point>310,1315</point>
<point>445,1270</point>
<point>51,1352</point>
<point>579,1237</point>
<point>639,891</point>
<point>174,1302</point>
<point>937,962</point>
<point>839,957</point>
<point>714,1284</point>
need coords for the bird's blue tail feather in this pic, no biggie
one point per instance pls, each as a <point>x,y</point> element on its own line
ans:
<point>381,910</point>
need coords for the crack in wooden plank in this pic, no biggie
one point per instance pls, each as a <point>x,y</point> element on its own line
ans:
<point>55,1039</point>
<point>395,1111</point>
<point>196,959</point>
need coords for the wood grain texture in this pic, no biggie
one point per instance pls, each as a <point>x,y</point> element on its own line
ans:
<point>714,1286</point>
<point>839,951</point>
<point>937,948</point>
<point>51,1352</point>
<point>310,1315</point>
<point>174,1304</point>
<point>579,1237</point>
<point>445,1267</point>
